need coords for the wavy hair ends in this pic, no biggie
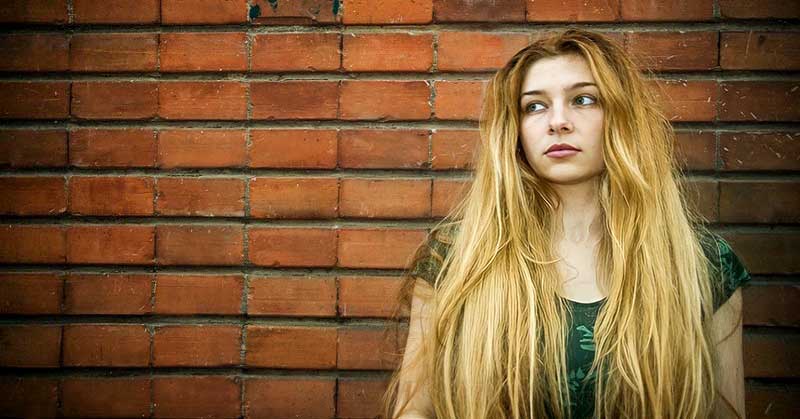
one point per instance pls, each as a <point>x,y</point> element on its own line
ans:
<point>497,331</point>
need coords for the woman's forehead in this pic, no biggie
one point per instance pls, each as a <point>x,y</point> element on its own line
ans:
<point>556,74</point>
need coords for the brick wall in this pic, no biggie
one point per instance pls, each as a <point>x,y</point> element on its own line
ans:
<point>207,204</point>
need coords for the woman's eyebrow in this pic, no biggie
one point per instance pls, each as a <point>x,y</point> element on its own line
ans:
<point>573,87</point>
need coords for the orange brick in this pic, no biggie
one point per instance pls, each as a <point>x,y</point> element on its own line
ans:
<point>204,148</point>
<point>126,195</point>
<point>106,11</point>
<point>696,150</point>
<point>767,9</point>
<point>780,362</point>
<point>368,296</point>
<point>113,244</point>
<point>756,151</point>
<point>202,51</point>
<point>114,100</point>
<point>360,397</point>
<point>766,252</point>
<point>683,100</point>
<point>756,51</point>
<point>294,99</point>
<point>755,101</point>
<point>108,294</point>
<point>302,51</point>
<point>302,149</point>
<point>703,196</point>
<point>199,294</point>
<point>212,346</point>
<point>31,293</point>
<point>32,244</point>
<point>224,100</point>
<point>292,296</point>
<point>94,397</point>
<point>771,305</point>
<point>672,10</point>
<point>34,11</point>
<point>573,10</point>
<point>200,245</point>
<point>673,51</point>
<point>33,195</point>
<point>387,52</point>
<point>197,396</point>
<point>294,197</point>
<point>365,12</point>
<point>383,149</point>
<point>306,12</point>
<point>92,147</point>
<point>212,197</point>
<point>34,100</point>
<point>454,149</point>
<point>34,52</point>
<point>183,12</point>
<point>446,193</point>
<point>385,100</point>
<point>291,347</point>
<point>385,198</point>
<point>33,148</point>
<point>29,397</point>
<point>284,397</point>
<point>368,349</point>
<point>131,52</point>
<point>477,51</point>
<point>778,201</point>
<point>472,11</point>
<point>459,99</point>
<point>96,345</point>
<point>29,346</point>
<point>382,249</point>
<point>312,247</point>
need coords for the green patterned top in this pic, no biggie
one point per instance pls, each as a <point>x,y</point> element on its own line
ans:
<point>580,340</point>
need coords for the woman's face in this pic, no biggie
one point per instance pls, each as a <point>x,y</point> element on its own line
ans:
<point>560,106</point>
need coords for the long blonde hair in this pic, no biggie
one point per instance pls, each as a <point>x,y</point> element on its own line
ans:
<point>496,347</point>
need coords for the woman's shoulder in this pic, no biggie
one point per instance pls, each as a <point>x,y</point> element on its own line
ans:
<point>725,266</point>
<point>431,254</point>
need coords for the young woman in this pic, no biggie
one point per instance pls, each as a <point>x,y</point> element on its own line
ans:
<point>572,280</point>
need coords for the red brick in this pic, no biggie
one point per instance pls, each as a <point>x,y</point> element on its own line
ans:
<point>684,100</point>
<point>360,397</point>
<point>34,11</point>
<point>202,51</point>
<point>286,397</point>
<point>212,346</point>
<point>757,51</point>
<point>446,193</point>
<point>305,12</point>
<point>302,51</point>
<point>477,51</point>
<point>767,252</point>
<point>368,296</point>
<point>385,198</point>
<point>779,363</point>
<point>402,12</point>
<point>29,397</point>
<point>31,293</point>
<point>92,147</point>
<point>459,99</point>
<point>573,10</point>
<point>778,201</point>
<point>197,396</point>
<point>281,247</point>
<point>199,294</point>
<point>33,195</point>
<point>34,52</point>
<point>224,100</point>
<point>112,244</point>
<point>33,148</point>
<point>696,150</point>
<point>292,296</point>
<point>367,349</point>
<point>754,101</point>
<point>703,196</point>
<point>204,148</point>
<point>104,397</point>
<point>301,149</point>
<point>294,99</point>
<point>32,244</point>
<point>454,149</point>
<point>767,9</point>
<point>672,10</point>
<point>387,52</point>
<point>34,100</point>
<point>108,294</point>
<point>114,52</point>
<point>212,197</point>
<point>673,51</point>
<point>125,195</point>
<point>385,100</point>
<point>382,249</point>
<point>472,11</point>
<point>107,11</point>
<point>291,347</point>
<point>771,305</point>
<point>383,149</point>
<point>182,12</point>
<point>759,151</point>
<point>290,197</point>
<point>97,345</point>
<point>114,100</point>
<point>30,346</point>
<point>771,401</point>
<point>200,245</point>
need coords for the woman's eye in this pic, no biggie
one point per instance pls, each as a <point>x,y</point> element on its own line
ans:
<point>531,107</point>
<point>590,99</point>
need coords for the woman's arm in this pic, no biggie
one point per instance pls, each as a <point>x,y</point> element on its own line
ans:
<point>727,324</point>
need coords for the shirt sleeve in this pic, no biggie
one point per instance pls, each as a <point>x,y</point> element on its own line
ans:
<point>727,270</point>
<point>429,258</point>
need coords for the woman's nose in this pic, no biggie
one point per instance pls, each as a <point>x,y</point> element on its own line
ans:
<point>559,123</point>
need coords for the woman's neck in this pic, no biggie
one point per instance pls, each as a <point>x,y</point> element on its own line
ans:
<point>580,211</point>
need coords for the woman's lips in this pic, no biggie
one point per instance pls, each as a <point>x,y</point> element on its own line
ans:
<point>562,153</point>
